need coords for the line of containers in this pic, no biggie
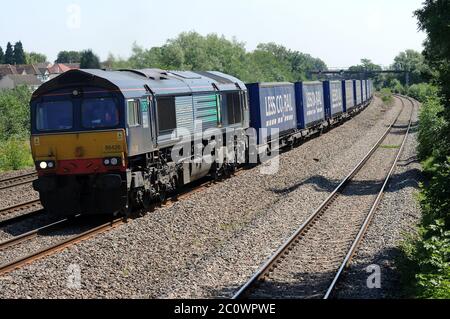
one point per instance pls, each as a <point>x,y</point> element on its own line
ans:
<point>289,107</point>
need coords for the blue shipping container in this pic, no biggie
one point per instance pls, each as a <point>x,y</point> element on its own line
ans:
<point>334,104</point>
<point>358,92</point>
<point>364,90</point>
<point>348,93</point>
<point>310,103</point>
<point>272,106</point>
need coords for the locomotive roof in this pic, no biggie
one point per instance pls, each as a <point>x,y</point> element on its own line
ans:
<point>134,83</point>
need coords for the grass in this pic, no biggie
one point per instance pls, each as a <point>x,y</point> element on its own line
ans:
<point>386,96</point>
<point>390,147</point>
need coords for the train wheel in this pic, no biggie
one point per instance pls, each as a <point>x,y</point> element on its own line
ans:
<point>162,194</point>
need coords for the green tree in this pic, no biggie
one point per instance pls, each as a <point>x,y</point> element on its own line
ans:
<point>89,60</point>
<point>368,68</point>
<point>414,63</point>
<point>298,64</point>
<point>68,57</point>
<point>33,58</point>
<point>192,51</point>
<point>434,20</point>
<point>2,56</point>
<point>9,54</point>
<point>19,54</point>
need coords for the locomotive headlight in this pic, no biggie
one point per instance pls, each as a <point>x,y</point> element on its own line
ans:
<point>106,162</point>
<point>43,165</point>
<point>50,165</point>
<point>114,161</point>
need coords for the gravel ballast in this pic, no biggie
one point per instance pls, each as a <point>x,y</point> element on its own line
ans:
<point>397,215</point>
<point>210,243</point>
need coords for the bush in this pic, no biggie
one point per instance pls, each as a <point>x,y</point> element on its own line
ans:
<point>396,86</point>
<point>14,155</point>
<point>431,126</point>
<point>386,96</point>
<point>426,266</point>
<point>15,113</point>
<point>426,263</point>
<point>421,92</point>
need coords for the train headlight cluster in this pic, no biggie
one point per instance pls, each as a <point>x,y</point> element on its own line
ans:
<point>112,161</point>
<point>43,165</point>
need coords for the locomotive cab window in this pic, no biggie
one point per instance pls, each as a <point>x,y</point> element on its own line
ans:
<point>167,117</point>
<point>99,113</point>
<point>54,116</point>
<point>134,118</point>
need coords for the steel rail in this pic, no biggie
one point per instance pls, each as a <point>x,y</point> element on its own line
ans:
<point>31,234</point>
<point>272,262</point>
<point>48,251</point>
<point>371,214</point>
<point>20,207</point>
<point>17,181</point>
<point>20,218</point>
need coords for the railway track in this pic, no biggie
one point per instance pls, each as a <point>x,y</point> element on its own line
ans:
<point>55,248</point>
<point>94,231</point>
<point>33,204</point>
<point>300,269</point>
<point>17,181</point>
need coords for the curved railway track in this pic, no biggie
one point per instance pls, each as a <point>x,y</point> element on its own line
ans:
<point>288,273</point>
<point>17,181</point>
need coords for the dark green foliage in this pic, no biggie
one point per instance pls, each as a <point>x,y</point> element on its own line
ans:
<point>9,54</point>
<point>19,54</point>
<point>426,266</point>
<point>68,57</point>
<point>192,51</point>
<point>431,127</point>
<point>434,20</point>
<point>89,60</point>
<point>2,56</point>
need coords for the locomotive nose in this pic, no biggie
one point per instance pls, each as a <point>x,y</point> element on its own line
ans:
<point>79,153</point>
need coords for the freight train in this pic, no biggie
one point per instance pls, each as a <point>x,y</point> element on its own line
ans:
<point>113,142</point>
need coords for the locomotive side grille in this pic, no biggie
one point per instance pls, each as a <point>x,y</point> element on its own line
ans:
<point>206,111</point>
<point>184,110</point>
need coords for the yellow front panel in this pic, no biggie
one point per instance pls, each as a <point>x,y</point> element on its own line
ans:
<point>85,145</point>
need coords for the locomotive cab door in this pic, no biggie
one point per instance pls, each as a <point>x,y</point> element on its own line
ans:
<point>147,111</point>
<point>139,126</point>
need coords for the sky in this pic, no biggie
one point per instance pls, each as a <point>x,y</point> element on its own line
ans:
<point>339,32</point>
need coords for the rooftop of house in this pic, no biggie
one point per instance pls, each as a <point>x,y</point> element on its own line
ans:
<point>7,69</point>
<point>29,69</point>
<point>19,79</point>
